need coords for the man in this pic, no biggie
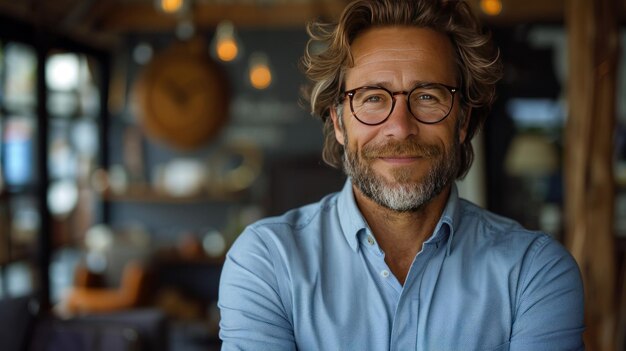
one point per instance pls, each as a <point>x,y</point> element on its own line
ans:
<point>396,261</point>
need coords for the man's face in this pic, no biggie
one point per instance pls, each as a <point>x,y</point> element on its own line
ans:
<point>401,164</point>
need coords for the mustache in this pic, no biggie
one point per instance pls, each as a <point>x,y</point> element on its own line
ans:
<point>406,148</point>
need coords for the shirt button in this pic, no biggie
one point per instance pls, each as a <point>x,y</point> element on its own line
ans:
<point>384,273</point>
<point>370,240</point>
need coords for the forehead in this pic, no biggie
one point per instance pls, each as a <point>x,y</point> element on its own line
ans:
<point>420,54</point>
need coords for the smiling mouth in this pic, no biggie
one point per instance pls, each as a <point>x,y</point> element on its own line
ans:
<point>399,159</point>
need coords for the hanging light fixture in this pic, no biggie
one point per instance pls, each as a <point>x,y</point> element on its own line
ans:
<point>185,28</point>
<point>171,6</point>
<point>225,42</point>
<point>491,7</point>
<point>260,73</point>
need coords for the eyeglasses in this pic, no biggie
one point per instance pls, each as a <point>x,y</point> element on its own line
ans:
<point>429,103</point>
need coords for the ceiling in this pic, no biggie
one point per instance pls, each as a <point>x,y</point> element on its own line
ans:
<point>103,21</point>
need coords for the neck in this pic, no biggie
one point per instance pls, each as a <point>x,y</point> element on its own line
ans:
<point>401,234</point>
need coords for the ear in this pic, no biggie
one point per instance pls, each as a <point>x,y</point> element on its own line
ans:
<point>464,124</point>
<point>337,127</point>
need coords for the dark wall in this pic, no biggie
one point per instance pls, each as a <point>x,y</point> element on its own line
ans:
<point>273,118</point>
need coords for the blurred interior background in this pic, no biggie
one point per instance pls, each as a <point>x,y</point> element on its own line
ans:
<point>139,137</point>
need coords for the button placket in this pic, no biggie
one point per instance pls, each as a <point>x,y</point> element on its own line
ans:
<point>377,260</point>
<point>372,246</point>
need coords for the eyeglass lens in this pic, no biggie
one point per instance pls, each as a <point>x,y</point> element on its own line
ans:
<point>428,104</point>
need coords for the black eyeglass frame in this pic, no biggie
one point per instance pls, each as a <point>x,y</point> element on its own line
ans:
<point>350,93</point>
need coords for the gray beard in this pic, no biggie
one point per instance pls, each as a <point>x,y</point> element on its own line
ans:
<point>402,194</point>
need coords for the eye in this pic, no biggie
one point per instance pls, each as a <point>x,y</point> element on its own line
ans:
<point>371,97</point>
<point>425,97</point>
<point>429,95</point>
<point>374,98</point>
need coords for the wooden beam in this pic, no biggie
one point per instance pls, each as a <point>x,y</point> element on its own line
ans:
<point>141,17</point>
<point>532,11</point>
<point>523,11</point>
<point>81,32</point>
<point>593,41</point>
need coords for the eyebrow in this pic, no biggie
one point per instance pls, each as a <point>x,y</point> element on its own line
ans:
<point>384,84</point>
<point>387,84</point>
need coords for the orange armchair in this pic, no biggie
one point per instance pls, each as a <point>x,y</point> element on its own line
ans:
<point>85,299</point>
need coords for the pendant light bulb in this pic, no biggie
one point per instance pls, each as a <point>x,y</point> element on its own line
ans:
<point>170,6</point>
<point>491,7</point>
<point>260,73</point>
<point>226,45</point>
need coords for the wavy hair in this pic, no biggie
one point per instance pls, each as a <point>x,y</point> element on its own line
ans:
<point>327,56</point>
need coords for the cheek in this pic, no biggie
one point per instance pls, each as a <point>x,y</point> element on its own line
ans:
<point>361,136</point>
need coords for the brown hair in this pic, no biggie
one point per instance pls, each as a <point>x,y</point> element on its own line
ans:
<point>477,61</point>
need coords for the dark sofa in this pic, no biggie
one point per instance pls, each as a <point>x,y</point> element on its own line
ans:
<point>24,328</point>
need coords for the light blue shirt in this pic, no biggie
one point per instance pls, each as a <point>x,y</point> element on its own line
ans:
<point>315,279</point>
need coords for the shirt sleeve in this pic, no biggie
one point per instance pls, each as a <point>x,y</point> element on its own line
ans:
<point>252,314</point>
<point>550,311</point>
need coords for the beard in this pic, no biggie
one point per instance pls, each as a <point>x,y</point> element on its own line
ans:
<point>403,193</point>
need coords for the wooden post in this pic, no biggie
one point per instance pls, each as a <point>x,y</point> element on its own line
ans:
<point>593,40</point>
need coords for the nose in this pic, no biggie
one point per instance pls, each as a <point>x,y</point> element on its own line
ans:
<point>401,124</point>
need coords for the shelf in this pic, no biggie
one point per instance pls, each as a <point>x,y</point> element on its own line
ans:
<point>22,255</point>
<point>145,194</point>
<point>173,258</point>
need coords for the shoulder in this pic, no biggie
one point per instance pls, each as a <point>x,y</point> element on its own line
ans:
<point>500,237</point>
<point>535,265</point>
<point>509,244</point>
<point>271,253</point>
<point>488,228</point>
<point>287,231</point>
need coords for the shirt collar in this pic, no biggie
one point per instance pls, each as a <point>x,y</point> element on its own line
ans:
<point>350,218</point>
<point>450,219</point>
<point>352,221</point>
